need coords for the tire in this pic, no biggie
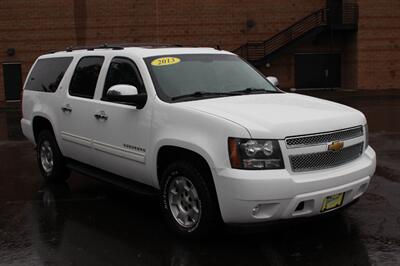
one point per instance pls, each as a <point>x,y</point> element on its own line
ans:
<point>50,160</point>
<point>185,176</point>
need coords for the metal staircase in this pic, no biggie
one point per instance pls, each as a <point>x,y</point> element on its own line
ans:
<point>320,20</point>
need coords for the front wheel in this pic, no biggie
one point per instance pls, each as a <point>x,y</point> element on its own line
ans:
<point>186,201</point>
<point>51,161</point>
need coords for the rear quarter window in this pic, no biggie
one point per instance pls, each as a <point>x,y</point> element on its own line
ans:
<point>47,74</point>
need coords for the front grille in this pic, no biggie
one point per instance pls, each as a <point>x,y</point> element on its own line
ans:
<point>326,159</point>
<point>316,139</point>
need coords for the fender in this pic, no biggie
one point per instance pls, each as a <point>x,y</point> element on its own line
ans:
<point>179,144</point>
<point>46,113</point>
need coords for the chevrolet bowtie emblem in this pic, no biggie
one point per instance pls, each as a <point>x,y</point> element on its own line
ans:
<point>336,146</point>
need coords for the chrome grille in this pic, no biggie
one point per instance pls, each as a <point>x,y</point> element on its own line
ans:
<point>326,159</point>
<point>316,139</point>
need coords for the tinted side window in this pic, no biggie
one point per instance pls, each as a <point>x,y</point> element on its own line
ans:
<point>84,80</point>
<point>47,74</point>
<point>123,71</point>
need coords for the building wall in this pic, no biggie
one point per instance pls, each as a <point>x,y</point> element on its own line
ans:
<point>32,28</point>
<point>378,44</point>
<point>342,43</point>
<point>35,27</point>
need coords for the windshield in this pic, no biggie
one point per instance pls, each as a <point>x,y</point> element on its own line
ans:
<point>197,76</point>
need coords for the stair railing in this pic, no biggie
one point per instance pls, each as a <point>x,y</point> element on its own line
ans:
<point>258,50</point>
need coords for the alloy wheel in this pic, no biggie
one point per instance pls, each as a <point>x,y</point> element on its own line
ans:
<point>184,202</point>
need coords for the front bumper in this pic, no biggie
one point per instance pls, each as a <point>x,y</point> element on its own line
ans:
<point>278,193</point>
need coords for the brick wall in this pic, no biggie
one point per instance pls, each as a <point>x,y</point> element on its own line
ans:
<point>283,66</point>
<point>34,27</point>
<point>378,44</point>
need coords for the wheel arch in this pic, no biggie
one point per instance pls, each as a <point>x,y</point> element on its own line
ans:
<point>169,153</point>
<point>40,123</point>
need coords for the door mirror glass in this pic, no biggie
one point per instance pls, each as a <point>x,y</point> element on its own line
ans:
<point>126,94</point>
<point>273,80</point>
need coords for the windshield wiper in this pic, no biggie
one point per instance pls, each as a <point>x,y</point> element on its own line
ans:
<point>254,90</point>
<point>200,94</point>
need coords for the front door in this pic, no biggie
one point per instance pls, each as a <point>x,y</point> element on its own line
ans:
<point>12,81</point>
<point>121,135</point>
<point>76,114</point>
<point>317,71</point>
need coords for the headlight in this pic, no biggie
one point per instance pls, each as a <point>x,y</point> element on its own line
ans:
<point>366,136</point>
<point>255,154</point>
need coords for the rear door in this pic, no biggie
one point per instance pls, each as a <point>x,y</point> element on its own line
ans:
<point>120,140</point>
<point>76,114</point>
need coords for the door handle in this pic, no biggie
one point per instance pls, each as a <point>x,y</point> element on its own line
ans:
<point>101,115</point>
<point>66,109</point>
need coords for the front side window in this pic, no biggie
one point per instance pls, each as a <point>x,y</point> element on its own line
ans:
<point>204,76</point>
<point>84,80</point>
<point>47,74</point>
<point>122,71</point>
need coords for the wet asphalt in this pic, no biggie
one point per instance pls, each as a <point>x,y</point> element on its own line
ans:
<point>85,222</point>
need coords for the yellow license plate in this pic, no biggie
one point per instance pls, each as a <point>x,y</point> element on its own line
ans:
<point>332,202</point>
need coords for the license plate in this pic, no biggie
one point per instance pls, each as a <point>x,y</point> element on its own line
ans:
<point>332,202</point>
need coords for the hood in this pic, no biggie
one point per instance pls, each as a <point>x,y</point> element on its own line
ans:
<point>280,115</point>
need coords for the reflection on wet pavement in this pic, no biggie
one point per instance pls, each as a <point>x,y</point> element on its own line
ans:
<point>84,222</point>
<point>9,125</point>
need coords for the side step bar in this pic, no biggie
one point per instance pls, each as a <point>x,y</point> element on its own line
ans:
<point>113,179</point>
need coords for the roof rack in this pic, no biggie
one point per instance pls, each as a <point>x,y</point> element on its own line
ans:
<point>91,48</point>
<point>150,45</point>
<point>121,46</point>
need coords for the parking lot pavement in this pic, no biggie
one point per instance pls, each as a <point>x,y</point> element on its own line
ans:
<point>84,222</point>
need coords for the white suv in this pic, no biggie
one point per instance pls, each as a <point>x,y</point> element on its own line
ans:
<point>201,127</point>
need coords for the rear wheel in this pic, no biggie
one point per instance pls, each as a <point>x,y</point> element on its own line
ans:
<point>49,157</point>
<point>187,204</point>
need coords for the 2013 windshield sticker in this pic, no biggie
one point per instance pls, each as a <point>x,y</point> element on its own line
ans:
<point>165,61</point>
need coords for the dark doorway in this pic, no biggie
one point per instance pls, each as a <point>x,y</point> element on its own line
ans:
<point>12,81</point>
<point>317,71</point>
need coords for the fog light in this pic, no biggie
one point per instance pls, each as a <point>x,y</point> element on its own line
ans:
<point>265,210</point>
<point>256,209</point>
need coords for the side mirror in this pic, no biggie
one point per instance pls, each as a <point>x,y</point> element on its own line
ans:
<point>273,80</point>
<point>126,94</point>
